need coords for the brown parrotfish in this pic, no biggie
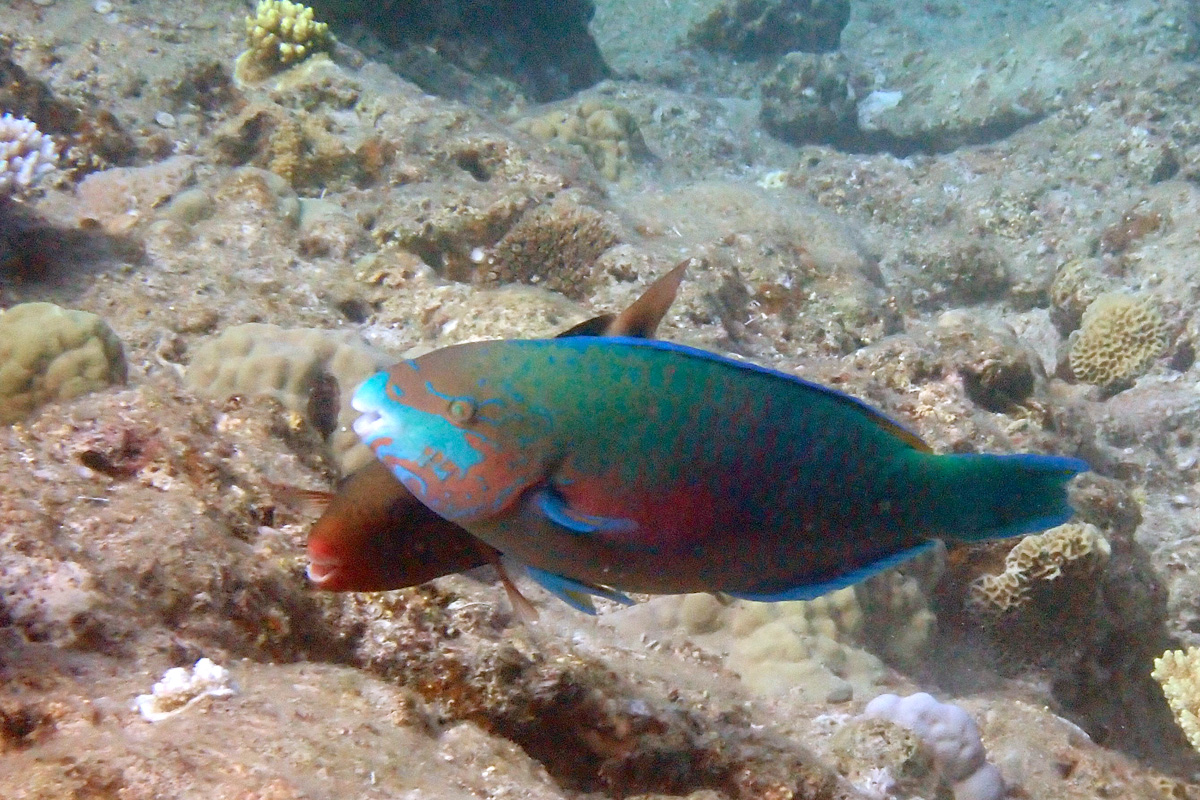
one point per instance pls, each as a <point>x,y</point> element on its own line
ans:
<point>374,535</point>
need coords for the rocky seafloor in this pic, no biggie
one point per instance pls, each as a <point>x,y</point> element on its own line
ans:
<point>983,220</point>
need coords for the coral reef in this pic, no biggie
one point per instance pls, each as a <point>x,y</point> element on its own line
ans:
<point>1071,552</point>
<point>951,737</point>
<point>553,245</point>
<point>180,689</point>
<point>811,99</point>
<point>87,138</point>
<point>312,373</point>
<point>1119,338</point>
<point>49,600</point>
<point>762,28</point>
<point>608,134</point>
<point>295,146</point>
<point>591,729</point>
<point>951,272</point>
<point>51,353</point>
<point>26,155</point>
<point>281,33</point>
<point>1178,672</point>
<point>825,650</point>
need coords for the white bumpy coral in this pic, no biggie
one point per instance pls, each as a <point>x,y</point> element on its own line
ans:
<point>950,735</point>
<point>26,154</point>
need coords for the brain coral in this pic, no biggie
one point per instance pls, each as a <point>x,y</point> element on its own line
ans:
<point>1073,548</point>
<point>311,372</point>
<point>1119,338</point>
<point>1178,672</point>
<point>52,353</point>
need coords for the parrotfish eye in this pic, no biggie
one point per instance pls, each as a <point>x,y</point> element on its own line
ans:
<point>462,410</point>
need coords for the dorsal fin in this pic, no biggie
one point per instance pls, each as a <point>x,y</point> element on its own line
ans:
<point>310,501</point>
<point>643,316</point>
<point>596,326</point>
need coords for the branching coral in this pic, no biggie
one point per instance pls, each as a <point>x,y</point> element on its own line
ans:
<point>1178,672</point>
<point>281,33</point>
<point>26,155</point>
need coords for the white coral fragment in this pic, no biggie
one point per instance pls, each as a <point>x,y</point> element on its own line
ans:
<point>180,689</point>
<point>26,154</point>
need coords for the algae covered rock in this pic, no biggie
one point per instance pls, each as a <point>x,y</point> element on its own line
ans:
<point>311,372</point>
<point>811,98</point>
<point>51,353</point>
<point>757,28</point>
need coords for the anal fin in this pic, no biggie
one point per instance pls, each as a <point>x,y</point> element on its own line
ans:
<point>576,594</point>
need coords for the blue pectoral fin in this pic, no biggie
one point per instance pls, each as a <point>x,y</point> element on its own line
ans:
<point>555,508</point>
<point>574,593</point>
<point>811,591</point>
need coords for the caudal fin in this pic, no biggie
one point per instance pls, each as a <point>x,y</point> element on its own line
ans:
<point>994,496</point>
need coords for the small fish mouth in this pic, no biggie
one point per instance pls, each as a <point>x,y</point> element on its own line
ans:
<point>322,570</point>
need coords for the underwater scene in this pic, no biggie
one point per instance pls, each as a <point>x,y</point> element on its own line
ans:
<point>600,399</point>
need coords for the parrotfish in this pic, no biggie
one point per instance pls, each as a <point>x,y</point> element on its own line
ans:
<point>615,464</point>
<point>373,535</point>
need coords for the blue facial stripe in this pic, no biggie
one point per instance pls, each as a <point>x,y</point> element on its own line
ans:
<point>416,437</point>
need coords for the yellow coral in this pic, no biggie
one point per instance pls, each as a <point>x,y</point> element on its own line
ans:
<point>1043,557</point>
<point>282,33</point>
<point>1119,338</point>
<point>1178,672</point>
<point>50,353</point>
<point>608,134</point>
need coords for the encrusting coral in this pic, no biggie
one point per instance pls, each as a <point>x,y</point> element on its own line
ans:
<point>26,155</point>
<point>1178,672</point>
<point>1120,336</point>
<point>553,245</point>
<point>1068,549</point>
<point>281,33</point>
<point>52,353</point>
<point>608,134</point>
<point>311,372</point>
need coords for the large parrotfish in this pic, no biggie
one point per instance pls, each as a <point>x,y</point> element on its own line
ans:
<point>373,535</point>
<point>609,464</point>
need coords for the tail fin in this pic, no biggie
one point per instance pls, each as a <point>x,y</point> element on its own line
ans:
<point>994,497</point>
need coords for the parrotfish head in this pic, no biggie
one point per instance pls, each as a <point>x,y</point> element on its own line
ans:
<point>454,437</point>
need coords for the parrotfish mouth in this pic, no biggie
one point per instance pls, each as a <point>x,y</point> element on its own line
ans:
<point>322,569</point>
